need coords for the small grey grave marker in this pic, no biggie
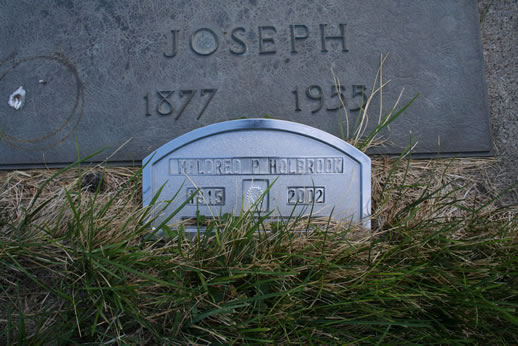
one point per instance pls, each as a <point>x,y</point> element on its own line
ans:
<point>233,163</point>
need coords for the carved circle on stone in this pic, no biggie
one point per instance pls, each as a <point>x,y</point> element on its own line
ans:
<point>45,120</point>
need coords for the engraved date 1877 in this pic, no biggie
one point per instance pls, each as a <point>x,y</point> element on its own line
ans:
<point>175,102</point>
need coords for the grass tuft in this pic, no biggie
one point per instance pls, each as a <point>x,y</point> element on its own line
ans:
<point>439,266</point>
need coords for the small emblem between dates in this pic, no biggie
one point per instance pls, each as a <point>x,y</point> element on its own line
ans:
<point>253,189</point>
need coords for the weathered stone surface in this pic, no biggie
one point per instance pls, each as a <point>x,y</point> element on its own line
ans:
<point>97,74</point>
<point>297,170</point>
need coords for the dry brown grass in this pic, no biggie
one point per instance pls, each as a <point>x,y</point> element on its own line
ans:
<point>463,180</point>
<point>18,189</point>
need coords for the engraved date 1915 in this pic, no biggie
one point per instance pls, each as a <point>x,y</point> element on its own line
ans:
<point>207,196</point>
<point>175,102</point>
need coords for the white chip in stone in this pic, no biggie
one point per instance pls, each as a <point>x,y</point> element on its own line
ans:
<point>17,98</point>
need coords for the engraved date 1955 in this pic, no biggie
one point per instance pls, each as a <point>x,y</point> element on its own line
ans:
<point>337,98</point>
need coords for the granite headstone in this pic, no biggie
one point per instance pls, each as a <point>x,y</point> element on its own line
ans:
<point>128,76</point>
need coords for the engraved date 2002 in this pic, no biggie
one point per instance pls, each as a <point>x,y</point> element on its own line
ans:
<point>165,103</point>
<point>306,195</point>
